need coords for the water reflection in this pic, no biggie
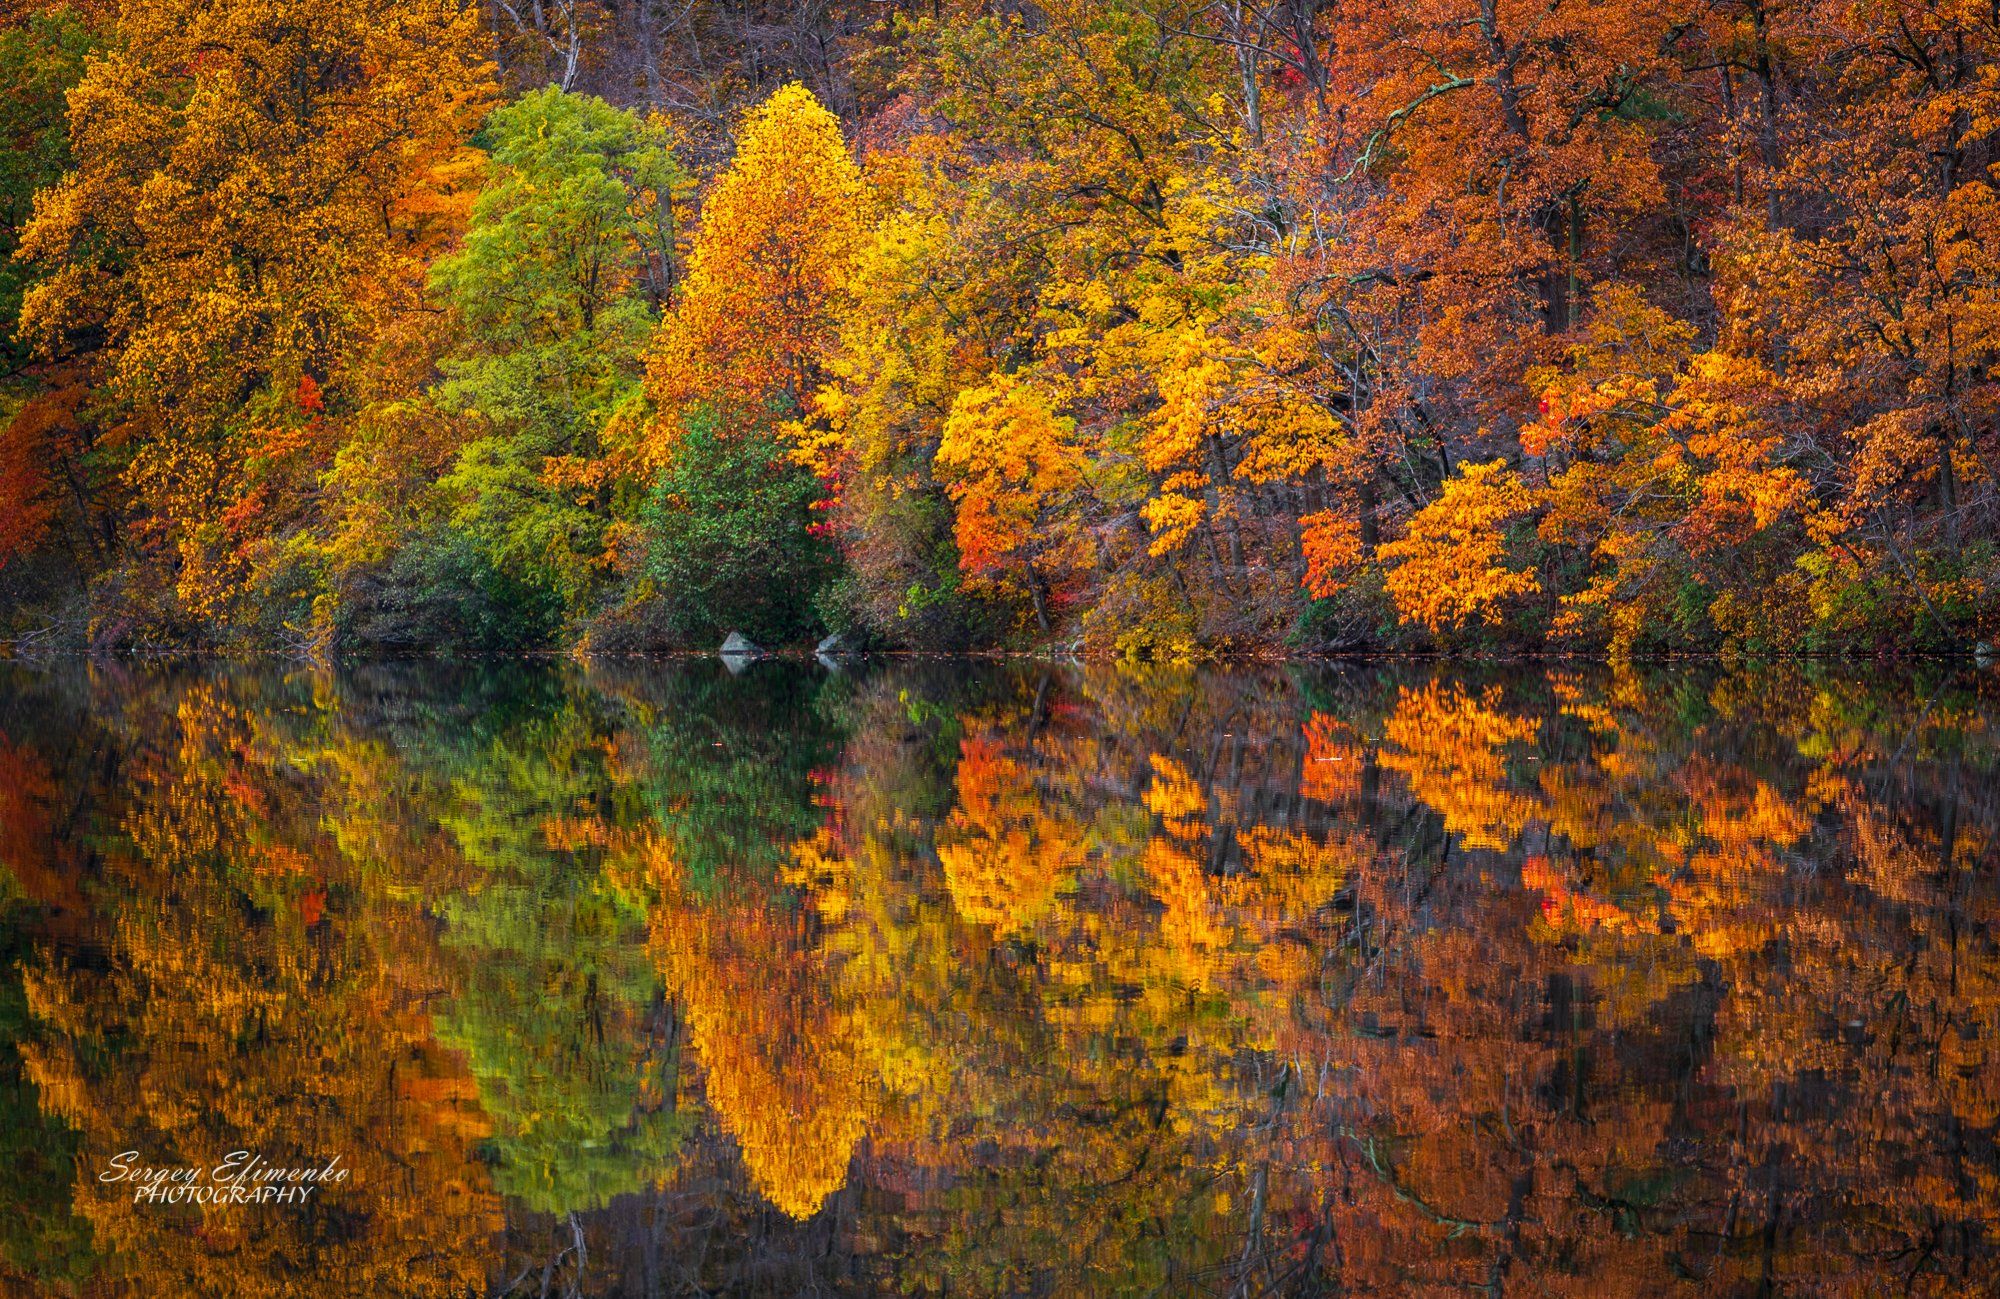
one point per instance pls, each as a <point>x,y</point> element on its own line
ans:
<point>1004,981</point>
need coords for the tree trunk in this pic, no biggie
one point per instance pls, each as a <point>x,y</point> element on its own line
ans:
<point>1246,70</point>
<point>1766,73</point>
<point>1038,592</point>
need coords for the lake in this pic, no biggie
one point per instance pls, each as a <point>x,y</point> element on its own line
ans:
<point>943,979</point>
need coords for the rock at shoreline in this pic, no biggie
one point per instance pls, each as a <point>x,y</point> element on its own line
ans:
<point>737,645</point>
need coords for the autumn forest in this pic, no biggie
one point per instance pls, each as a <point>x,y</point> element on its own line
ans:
<point>1153,329</point>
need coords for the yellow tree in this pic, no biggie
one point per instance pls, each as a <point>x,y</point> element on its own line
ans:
<point>768,272</point>
<point>1011,463</point>
<point>783,1068</point>
<point>1666,467</point>
<point>1451,566</point>
<point>255,187</point>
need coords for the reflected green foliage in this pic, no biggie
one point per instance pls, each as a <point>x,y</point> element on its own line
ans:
<point>734,768</point>
<point>558,1013</point>
<point>1017,980</point>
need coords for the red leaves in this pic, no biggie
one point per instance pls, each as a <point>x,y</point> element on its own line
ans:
<point>308,396</point>
<point>42,438</point>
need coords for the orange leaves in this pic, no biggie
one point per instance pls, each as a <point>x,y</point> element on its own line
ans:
<point>225,222</point>
<point>1450,567</point>
<point>1333,762</point>
<point>1184,307</point>
<point>1004,855</point>
<point>769,270</point>
<point>1896,454</point>
<point>1564,906</point>
<point>1332,545</point>
<point>1008,460</point>
<point>1669,463</point>
<point>1616,378</point>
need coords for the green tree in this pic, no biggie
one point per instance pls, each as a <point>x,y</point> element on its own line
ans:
<point>564,268</point>
<point>734,544</point>
<point>558,1011</point>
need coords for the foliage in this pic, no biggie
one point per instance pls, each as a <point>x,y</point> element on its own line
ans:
<point>569,255</point>
<point>257,188</point>
<point>40,59</point>
<point>1154,329</point>
<point>730,543</point>
<point>766,273</point>
<point>1450,567</point>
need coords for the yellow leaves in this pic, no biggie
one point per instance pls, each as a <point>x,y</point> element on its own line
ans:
<point>768,274</point>
<point>1743,488</point>
<point>255,188</point>
<point>235,165</point>
<point>784,1069</point>
<point>1193,388</point>
<point>1174,796</point>
<point>1004,855</point>
<point>1213,394</point>
<point>919,323</point>
<point>1449,566</point>
<point>1007,459</point>
<point>1451,747</point>
<point>1173,516</point>
<point>183,484</point>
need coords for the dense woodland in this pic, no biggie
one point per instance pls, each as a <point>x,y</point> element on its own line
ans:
<point>1144,328</point>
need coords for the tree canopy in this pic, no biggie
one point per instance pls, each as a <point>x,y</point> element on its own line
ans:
<point>1159,329</point>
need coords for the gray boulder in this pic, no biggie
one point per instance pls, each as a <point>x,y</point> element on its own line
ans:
<point>738,646</point>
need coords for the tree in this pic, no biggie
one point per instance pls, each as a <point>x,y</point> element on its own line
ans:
<point>1010,462</point>
<point>40,60</point>
<point>750,333</point>
<point>255,189</point>
<point>732,542</point>
<point>566,263</point>
<point>568,257</point>
<point>1450,567</point>
<point>45,492</point>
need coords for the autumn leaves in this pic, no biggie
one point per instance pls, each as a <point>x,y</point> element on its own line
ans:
<point>1150,328</point>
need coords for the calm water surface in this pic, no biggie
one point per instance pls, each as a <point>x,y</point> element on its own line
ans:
<point>939,980</point>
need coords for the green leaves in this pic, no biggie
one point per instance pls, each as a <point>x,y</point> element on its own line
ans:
<point>556,289</point>
<point>563,268</point>
<point>733,541</point>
